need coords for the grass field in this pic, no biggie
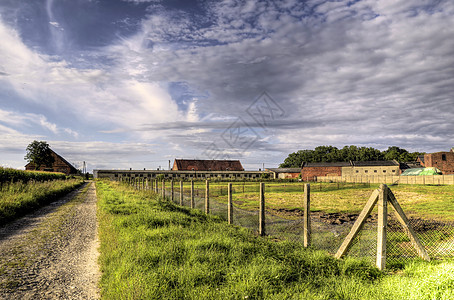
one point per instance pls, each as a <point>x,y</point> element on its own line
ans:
<point>8,175</point>
<point>19,198</point>
<point>152,249</point>
<point>424,201</point>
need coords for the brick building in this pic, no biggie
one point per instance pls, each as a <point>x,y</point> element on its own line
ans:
<point>310,171</point>
<point>59,165</point>
<point>206,165</point>
<point>284,173</point>
<point>440,160</point>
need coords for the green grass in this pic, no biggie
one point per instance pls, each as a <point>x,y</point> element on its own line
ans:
<point>424,201</point>
<point>19,198</point>
<point>151,249</point>
<point>13,175</point>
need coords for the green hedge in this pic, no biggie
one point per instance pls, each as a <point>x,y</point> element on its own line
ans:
<point>13,175</point>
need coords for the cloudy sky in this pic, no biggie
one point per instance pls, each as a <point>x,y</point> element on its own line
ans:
<point>136,83</point>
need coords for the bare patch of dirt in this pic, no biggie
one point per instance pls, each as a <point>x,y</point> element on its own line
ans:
<point>328,218</point>
<point>52,253</point>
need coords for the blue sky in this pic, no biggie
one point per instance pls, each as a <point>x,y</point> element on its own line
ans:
<point>136,83</point>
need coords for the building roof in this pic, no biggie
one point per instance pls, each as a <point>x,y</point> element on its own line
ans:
<point>421,158</point>
<point>372,163</point>
<point>376,163</point>
<point>285,170</point>
<point>72,168</point>
<point>207,165</point>
<point>327,164</point>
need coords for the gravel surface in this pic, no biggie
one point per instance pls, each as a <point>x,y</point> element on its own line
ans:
<point>52,253</point>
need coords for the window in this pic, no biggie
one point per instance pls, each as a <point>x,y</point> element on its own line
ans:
<point>357,171</point>
<point>384,171</point>
<point>443,157</point>
<point>375,171</point>
<point>365,171</point>
<point>394,171</point>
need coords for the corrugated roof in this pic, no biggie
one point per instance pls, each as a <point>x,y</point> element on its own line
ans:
<point>327,164</point>
<point>375,163</point>
<point>285,170</point>
<point>372,163</point>
<point>207,165</point>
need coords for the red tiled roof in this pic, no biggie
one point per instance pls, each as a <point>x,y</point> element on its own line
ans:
<point>207,165</point>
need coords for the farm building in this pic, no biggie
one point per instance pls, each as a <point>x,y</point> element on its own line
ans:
<point>310,171</point>
<point>440,160</point>
<point>284,173</point>
<point>206,165</point>
<point>59,165</point>
<point>376,167</point>
<point>178,175</point>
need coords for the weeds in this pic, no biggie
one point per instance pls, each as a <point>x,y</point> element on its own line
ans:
<point>19,198</point>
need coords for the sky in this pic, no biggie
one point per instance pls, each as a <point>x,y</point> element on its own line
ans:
<point>125,84</point>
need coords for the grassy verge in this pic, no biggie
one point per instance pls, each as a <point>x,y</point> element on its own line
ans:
<point>155,250</point>
<point>19,198</point>
<point>9,175</point>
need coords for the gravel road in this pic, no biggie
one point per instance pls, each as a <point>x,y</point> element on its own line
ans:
<point>52,253</point>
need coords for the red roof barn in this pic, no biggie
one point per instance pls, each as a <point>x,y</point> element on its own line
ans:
<point>206,165</point>
<point>59,165</point>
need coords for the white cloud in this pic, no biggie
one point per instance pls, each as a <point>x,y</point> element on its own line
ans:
<point>344,74</point>
<point>16,122</point>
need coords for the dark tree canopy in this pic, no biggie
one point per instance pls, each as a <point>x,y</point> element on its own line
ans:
<point>347,153</point>
<point>39,154</point>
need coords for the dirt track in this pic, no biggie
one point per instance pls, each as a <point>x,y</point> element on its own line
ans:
<point>52,253</point>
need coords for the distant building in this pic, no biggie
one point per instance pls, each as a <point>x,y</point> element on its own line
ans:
<point>59,165</point>
<point>374,167</point>
<point>440,160</point>
<point>284,173</point>
<point>206,165</point>
<point>310,171</point>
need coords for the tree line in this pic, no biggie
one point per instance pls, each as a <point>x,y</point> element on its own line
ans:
<point>347,153</point>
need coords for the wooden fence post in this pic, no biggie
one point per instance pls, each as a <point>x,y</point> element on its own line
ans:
<point>307,216</point>
<point>171,190</point>
<point>156,186</point>
<point>382,225</point>
<point>192,194</point>
<point>230,204</point>
<point>262,210</point>
<point>181,192</point>
<point>163,190</point>
<point>207,197</point>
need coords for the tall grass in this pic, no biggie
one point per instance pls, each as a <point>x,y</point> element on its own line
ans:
<point>19,198</point>
<point>152,249</point>
<point>13,175</point>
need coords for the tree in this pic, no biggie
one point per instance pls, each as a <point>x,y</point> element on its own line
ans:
<point>39,154</point>
<point>347,153</point>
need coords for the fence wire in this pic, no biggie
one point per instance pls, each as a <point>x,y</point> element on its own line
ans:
<point>328,230</point>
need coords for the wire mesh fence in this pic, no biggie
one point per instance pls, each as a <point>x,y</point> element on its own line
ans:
<point>328,230</point>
